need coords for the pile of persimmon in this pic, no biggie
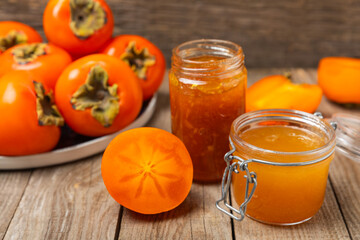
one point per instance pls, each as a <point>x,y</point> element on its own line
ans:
<point>82,76</point>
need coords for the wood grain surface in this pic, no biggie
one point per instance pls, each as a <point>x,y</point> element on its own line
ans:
<point>195,218</point>
<point>12,185</point>
<point>345,179</point>
<point>278,33</point>
<point>64,202</point>
<point>70,201</point>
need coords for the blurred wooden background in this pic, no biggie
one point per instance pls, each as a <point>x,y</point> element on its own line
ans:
<point>278,33</point>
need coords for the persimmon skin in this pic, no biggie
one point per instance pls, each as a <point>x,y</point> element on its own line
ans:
<point>155,73</point>
<point>31,34</point>
<point>74,76</point>
<point>339,78</point>
<point>20,132</point>
<point>56,21</point>
<point>147,170</point>
<point>47,67</point>
<point>277,91</point>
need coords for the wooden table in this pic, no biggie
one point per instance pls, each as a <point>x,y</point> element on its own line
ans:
<point>70,201</point>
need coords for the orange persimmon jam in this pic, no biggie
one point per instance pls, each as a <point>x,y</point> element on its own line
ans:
<point>284,195</point>
<point>207,92</point>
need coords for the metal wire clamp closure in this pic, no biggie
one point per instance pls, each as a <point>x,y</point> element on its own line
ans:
<point>241,165</point>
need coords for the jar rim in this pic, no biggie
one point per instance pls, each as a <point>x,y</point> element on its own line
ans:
<point>213,44</point>
<point>306,117</point>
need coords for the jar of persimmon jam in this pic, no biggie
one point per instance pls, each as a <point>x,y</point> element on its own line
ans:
<point>279,161</point>
<point>207,84</point>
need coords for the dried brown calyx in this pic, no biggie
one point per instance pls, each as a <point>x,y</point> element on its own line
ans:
<point>87,16</point>
<point>11,39</point>
<point>99,96</point>
<point>47,112</point>
<point>138,60</point>
<point>29,52</point>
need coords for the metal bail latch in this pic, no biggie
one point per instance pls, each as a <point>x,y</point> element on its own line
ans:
<point>332,123</point>
<point>236,166</point>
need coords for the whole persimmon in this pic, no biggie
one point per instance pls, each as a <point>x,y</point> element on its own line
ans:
<point>80,27</point>
<point>147,170</point>
<point>97,95</point>
<point>144,58</point>
<point>30,120</point>
<point>13,33</point>
<point>44,61</point>
<point>339,78</point>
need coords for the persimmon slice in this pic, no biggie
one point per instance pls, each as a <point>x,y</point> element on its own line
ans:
<point>147,170</point>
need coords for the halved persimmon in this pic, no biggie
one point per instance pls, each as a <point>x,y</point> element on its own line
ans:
<point>277,91</point>
<point>147,170</point>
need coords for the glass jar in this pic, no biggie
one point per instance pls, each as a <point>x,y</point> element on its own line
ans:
<point>207,84</point>
<point>289,153</point>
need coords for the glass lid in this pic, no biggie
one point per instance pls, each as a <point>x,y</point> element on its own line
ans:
<point>347,135</point>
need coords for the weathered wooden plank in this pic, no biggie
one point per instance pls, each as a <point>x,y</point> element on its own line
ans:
<point>345,177</point>
<point>12,185</point>
<point>273,33</point>
<point>326,224</point>
<point>196,218</point>
<point>65,202</point>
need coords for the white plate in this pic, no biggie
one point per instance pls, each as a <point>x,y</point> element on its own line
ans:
<point>77,151</point>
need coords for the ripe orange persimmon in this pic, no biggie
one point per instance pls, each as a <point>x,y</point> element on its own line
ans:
<point>13,33</point>
<point>277,91</point>
<point>339,78</point>
<point>29,121</point>
<point>147,170</point>
<point>98,94</point>
<point>44,61</point>
<point>144,58</point>
<point>80,27</point>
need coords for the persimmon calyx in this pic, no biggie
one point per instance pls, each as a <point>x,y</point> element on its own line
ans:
<point>11,39</point>
<point>28,53</point>
<point>47,112</point>
<point>288,75</point>
<point>99,96</point>
<point>87,16</point>
<point>138,59</point>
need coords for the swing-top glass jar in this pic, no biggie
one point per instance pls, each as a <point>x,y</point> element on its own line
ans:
<point>207,84</point>
<point>288,153</point>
